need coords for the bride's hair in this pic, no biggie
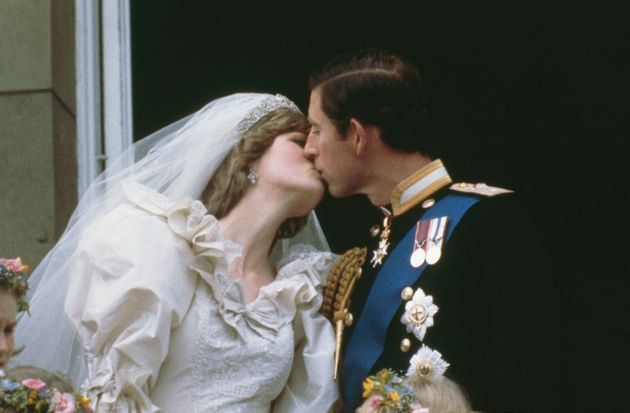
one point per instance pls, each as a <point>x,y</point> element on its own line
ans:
<point>229,183</point>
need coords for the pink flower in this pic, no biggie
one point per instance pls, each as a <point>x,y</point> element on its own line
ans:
<point>375,401</point>
<point>13,265</point>
<point>34,384</point>
<point>64,402</point>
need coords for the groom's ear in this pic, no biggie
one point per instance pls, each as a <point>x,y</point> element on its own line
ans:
<point>360,135</point>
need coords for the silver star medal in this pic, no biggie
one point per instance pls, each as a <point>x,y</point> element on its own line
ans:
<point>419,312</point>
<point>383,245</point>
<point>379,253</point>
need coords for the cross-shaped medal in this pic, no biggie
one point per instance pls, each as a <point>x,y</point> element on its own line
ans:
<point>379,253</point>
<point>383,245</point>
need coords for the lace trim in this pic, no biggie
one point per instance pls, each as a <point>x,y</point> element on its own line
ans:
<point>201,358</point>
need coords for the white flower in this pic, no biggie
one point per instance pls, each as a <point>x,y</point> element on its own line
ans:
<point>426,364</point>
<point>419,312</point>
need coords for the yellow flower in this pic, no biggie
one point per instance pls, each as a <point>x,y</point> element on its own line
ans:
<point>383,375</point>
<point>85,402</point>
<point>394,396</point>
<point>368,384</point>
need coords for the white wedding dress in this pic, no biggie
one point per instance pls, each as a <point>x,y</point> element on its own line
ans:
<point>163,330</point>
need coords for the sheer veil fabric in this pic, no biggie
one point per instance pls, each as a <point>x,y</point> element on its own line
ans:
<point>177,162</point>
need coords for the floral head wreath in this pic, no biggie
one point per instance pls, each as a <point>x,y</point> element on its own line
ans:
<point>14,279</point>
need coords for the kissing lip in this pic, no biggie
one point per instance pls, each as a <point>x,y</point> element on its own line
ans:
<point>319,173</point>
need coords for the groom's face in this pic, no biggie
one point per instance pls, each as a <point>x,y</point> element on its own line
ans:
<point>332,154</point>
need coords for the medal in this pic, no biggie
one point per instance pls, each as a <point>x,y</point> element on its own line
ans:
<point>419,254</point>
<point>433,255</point>
<point>418,315</point>
<point>380,252</point>
<point>435,240</point>
<point>417,257</point>
<point>427,245</point>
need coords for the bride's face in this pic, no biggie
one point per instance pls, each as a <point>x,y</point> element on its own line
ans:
<point>8,320</point>
<point>284,167</point>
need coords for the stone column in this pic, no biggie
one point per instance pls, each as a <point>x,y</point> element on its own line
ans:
<point>37,125</point>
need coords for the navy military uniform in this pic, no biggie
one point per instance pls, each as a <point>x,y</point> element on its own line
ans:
<point>495,305</point>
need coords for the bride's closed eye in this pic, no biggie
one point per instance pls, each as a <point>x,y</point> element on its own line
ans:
<point>299,141</point>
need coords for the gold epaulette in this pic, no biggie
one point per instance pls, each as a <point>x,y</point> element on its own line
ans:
<point>479,189</point>
<point>341,281</point>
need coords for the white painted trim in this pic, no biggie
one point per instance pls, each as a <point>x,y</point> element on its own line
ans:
<point>117,106</point>
<point>88,72</point>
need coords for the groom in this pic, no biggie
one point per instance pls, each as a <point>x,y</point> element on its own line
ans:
<point>451,266</point>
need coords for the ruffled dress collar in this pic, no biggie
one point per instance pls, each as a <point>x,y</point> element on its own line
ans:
<point>297,282</point>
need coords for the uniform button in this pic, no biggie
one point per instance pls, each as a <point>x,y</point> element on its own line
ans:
<point>405,345</point>
<point>407,293</point>
<point>348,320</point>
<point>428,203</point>
<point>375,230</point>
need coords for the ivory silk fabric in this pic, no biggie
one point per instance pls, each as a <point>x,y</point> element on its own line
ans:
<point>163,329</point>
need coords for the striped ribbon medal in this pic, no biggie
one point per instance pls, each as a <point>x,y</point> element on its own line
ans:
<point>427,246</point>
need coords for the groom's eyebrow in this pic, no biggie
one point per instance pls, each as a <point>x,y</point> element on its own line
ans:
<point>312,122</point>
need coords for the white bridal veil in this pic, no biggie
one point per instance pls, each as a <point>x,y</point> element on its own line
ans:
<point>177,161</point>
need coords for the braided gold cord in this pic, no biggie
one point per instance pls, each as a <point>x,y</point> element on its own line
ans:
<point>338,287</point>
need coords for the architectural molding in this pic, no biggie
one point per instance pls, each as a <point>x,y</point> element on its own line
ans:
<point>117,104</point>
<point>104,106</point>
<point>88,75</point>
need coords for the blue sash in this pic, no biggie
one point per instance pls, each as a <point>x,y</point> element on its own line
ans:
<point>368,338</point>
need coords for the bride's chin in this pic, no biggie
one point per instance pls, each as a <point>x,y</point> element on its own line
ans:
<point>308,202</point>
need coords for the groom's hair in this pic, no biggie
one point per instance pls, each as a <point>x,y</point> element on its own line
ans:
<point>229,183</point>
<point>379,88</point>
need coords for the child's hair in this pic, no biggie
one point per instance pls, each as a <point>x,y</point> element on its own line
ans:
<point>441,396</point>
<point>53,380</point>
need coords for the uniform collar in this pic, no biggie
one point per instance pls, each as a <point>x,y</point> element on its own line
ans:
<point>419,186</point>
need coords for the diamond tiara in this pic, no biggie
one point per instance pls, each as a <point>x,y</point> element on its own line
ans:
<point>267,106</point>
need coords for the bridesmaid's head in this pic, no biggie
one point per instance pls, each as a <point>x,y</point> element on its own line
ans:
<point>13,288</point>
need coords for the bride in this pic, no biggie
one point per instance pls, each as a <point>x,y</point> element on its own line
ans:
<point>183,276</point>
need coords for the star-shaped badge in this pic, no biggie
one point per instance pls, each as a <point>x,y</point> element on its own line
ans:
<point>379,253</point>
<point>419,312</point>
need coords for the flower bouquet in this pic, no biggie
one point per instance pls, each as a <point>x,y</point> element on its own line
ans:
<point>390,394</point>
<point>35,396</point>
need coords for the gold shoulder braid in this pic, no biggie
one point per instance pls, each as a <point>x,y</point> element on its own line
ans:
<point>341,282</point>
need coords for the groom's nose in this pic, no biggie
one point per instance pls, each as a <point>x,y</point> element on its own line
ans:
<point>310,149</point>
